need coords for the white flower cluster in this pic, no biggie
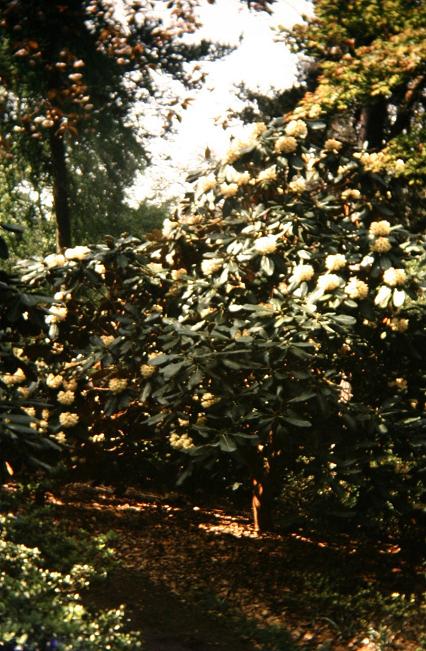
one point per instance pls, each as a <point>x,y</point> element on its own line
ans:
<point>117,385</point>
<point>381,245</point>
<point>356,289</point>
<point>67,419</point>
<point>107,339</point>
<point>54,381</point>
<point>335,262</point>
<point>208,400</point>
<point>333,145</point>
<point>329,282</point>
<point>296,129</point>
<point>14,378</point>
<point>100,268</point>
<point>393,277</point>
<point>297,184</point>
<point>147,370</point>
<point>177,274</point>
<point>302,273</point>
<point>240,146</point>
<point>77,253</point>
<point>181,442</point>
<point>168,228</point>
<point>233,176</point>
<point>267,175</point>
<point>380,229</point>
<point>351,193</point>
<point>265,245</point>
<point>206,183</point>
<point>398,325</point>
<point>228,190</point>
<point>65,397</point>
<point>56,313</point>
<point>54,260</point>
<point>285,145</point>
<point>211,265</point>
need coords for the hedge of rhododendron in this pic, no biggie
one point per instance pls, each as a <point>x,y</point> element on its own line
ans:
<point>278,319</point>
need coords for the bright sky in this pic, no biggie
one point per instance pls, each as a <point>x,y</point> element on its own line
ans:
<point>258,61</point>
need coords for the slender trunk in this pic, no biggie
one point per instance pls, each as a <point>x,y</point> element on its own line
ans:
<point>60,192</point>
<point>372,124</point>
<point>261,504</point>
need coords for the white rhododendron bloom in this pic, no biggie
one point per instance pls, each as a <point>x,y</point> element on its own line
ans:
<point>398,325</point>
<point>381,245</point>
<point>267,175</point>
<point>333,145</point>
<point>303,273</point>
<point>351,193</point>
<point>380,229</point>
<point>77,253</point>
<point>329,282</point>
<point>62,296</point>
<point>356,288</point>
<point>55,260</point>
<point>335,262</point>
<point>71,384</point>
<point>266,245</point>
<point>100,268</point>
<point>60,437</point>
<point>147,370</point>
<point>207,183</point>
<point>393,277</point>
<point>208,400</point>
<point>54,381</point>
<point>59,312</point>
<point>168,227</point>
<point>373,162</point>
<point>228,189</point>
<point>117,385</point>
<point>297,129</point>
<point>14,378</point>
<point>67,419</point>
<point>398,166</point>
<point>107,339</point>
<point>66,397</point>
<point>297,184</point>
<point>285,145</point>
<point>155,267</point>
<point>181,441</point>
<point>258,129</point>
<point>211,265</point>
<point>233,176</point>
<point>177,274</point>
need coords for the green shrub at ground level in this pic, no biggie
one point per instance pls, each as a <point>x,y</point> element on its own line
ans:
<point>41,608</point>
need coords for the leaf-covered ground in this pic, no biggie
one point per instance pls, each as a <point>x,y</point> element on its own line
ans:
<point>199,579</point>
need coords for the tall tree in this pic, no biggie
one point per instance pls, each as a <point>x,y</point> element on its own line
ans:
<point>67,93</point>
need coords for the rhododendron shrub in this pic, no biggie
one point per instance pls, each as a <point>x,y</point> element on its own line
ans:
<point>22,437</point>
<point>101,328</point>
<point>278,320</point>
<point>301,316</point>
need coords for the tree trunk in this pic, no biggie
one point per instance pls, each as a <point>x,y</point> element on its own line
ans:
<point>60,192</point>
<point>372,124</point>
<point>261,504</point>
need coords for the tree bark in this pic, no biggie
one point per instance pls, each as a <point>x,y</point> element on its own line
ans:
<point>372,124</point>
<point>60,192</point>
<point>261,504</point>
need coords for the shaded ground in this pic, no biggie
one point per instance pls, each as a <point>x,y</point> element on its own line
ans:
<point>198,579</point>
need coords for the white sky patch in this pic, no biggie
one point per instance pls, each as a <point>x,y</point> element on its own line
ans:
<point>258,61</point>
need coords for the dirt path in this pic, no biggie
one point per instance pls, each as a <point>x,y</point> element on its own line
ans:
<point>199,579</point>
